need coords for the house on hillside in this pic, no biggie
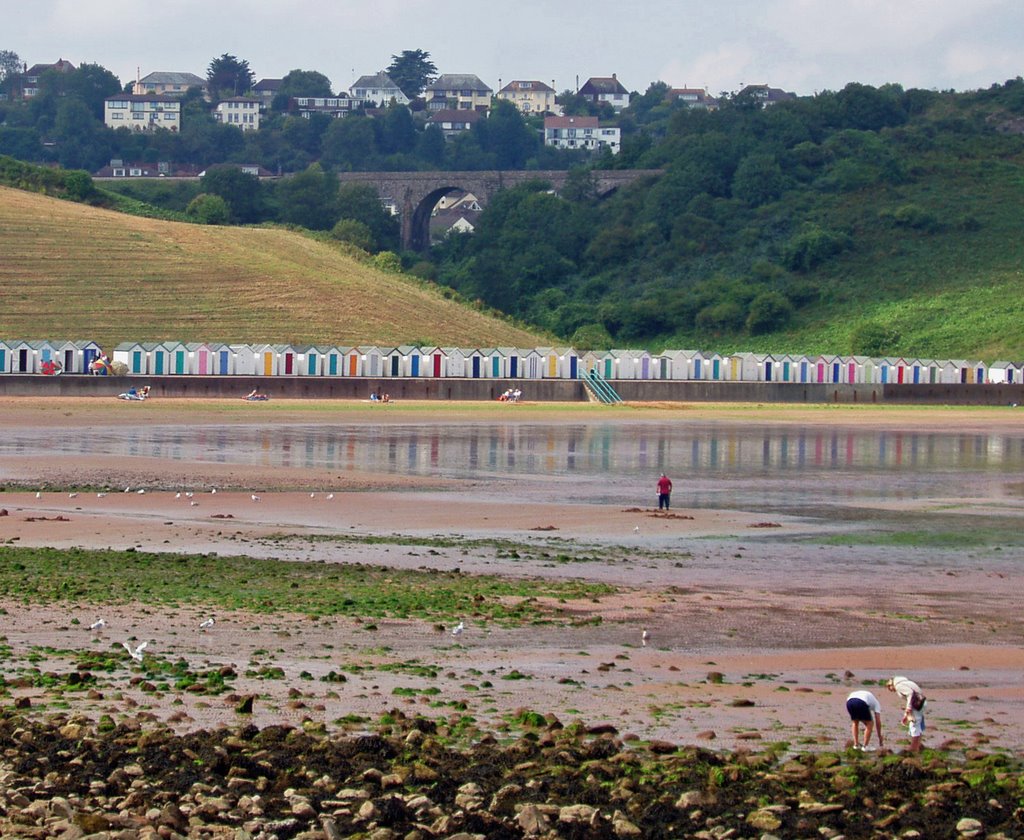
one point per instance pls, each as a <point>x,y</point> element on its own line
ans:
<point>118,168</point>
<point>30,81</point>
<point>458,92</point>
<point>581,133</point>
<point>377,91</point>
<point>146,112</point>
<point>766,95</point>
<point>453,122</point>
<point>530,97</point>
<point>334,107</point>
<point>240,111</point>
<point>265,90</point>
<point>608,89</point>
<point>697,98</point>
<point>169,84</point>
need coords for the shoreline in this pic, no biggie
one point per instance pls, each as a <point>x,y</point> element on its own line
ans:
<point>708,587</point>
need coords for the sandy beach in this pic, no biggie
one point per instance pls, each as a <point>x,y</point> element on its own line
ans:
<point>759,624</point>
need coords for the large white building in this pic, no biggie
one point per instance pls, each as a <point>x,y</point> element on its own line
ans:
<point>146,112</point>
<point>584,133</point>
<point>240,111</point>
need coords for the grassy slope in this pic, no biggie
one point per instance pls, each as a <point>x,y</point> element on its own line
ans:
<point>71,271</point>
<point>954,292</point>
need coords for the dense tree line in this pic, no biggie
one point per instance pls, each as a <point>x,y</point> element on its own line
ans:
<point>745,230</point>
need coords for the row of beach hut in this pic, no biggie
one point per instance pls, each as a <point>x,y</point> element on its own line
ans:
<point>172,358</point>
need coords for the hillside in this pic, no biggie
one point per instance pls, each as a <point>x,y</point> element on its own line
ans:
<point>72,271</point>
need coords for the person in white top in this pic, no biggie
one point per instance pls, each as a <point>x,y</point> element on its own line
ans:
<point>864,707</point>
<point>913,701</point>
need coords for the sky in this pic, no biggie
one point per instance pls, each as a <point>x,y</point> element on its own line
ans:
<point>803,46</point>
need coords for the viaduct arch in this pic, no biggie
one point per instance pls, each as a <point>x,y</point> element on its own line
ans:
<point>416,193</point>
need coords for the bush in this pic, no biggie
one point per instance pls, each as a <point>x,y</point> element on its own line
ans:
<point>591,337</point>
<point>911,216</point>
<point>208,209</point>
<point>874,339</point>
<point>726,316</point>
<point>812,246</point>
<point>354,233</point>
<point>388,261</point>
<point>769,311</point>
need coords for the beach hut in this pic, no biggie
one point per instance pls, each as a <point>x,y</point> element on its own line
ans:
<point>475,362</point>
<point>371,360</point>
<point>396,360</point>
<point>42,357</point>
<point>308,360</point>
<point>134,356</point>
<point>287,359</point>
<point>177,361</point>
<point>494,363</point>
<point>561,363</point>
<point>264,360</point>
<point>201,361</point>
<point>435,362</point>
<point>999,373</point>
<point>244,359</point>
<point>457,361</point>
<point>221,360</point>
<point>5,356</point>
<point>743,367</point>
<point>21,357</point>
<point>531,364</point>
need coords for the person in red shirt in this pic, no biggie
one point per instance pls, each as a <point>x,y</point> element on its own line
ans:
<point>664,491</point>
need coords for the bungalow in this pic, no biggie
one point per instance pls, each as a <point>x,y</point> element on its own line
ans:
<point>119,168</point>
<point>453,123</point>
<point>458,92</point>
<point>608,89</point>
<point>169,84</point>
<point>335,107</point>
<point>697,98</point>
<point>377,91</point>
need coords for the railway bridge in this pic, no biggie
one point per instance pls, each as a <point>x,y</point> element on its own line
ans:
<point>417,193</point>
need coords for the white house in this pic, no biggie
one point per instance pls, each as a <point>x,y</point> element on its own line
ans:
<point>581,133</point>
<point>240,111</point>
<point>377,90</point>
<point>142,112</point>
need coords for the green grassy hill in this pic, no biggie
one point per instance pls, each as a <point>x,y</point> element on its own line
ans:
<point>75,272</point>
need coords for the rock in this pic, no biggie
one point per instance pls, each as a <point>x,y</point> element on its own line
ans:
<point>706,735</point>
<point>575,814</point>
<point>763,820</point>
<point>623,827</point>
<point>244,706</point>
<point>969,827</point>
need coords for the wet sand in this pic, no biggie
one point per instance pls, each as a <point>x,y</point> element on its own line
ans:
<point>790,618</point>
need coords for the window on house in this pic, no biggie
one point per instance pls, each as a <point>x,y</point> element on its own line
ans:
<point>118,173</point>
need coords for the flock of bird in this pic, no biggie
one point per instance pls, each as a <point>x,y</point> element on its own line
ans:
<point>187,494</point>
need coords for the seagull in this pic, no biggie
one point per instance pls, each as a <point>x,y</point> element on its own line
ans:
<point>208,623</point>
<point>312,495</point>
<point>644,637</point>
<point>72,495</point>
<point>188,494</point>
<point>458,628</point>
<point>636,529</point>
<point>98,625</point>
<point>254,497</point>
<point>330,495</point>
<point>194,503</point>
<point>177,495</point>
<point>39,495</point>
<point>213,490</point>
<point>135,654</point>
<point>128,489</point>
<point>100,495</point>
<point>141,490</point>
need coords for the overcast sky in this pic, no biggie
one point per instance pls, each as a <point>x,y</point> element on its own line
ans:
<point>800,45</point>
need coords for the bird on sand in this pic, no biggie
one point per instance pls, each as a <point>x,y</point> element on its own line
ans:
<point>177,495</point>
<point>72,495</point>
<point>194,503</point>
<point>458,628</point>
<point>636,529</point>
<point>330,495</point>
<point>203,625</point>
<point>644,637</point>
<point>98,625</point>
<point>135,653</point>
<point>213,491</point>
<point>141,491</point>
<point>128,489</point>
<point>100,495</point>
<point>254,497</point>
<point>39,495</point>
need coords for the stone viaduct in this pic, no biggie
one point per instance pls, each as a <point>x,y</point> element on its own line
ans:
<point>416,193</point>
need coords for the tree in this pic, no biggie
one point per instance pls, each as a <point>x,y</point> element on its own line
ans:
<point>92,84</point>
<point>354,233</point>
<point>349,143</point>
<point>10,71</point>
<point>360,203</point>
<point>505,135</point>
<point>240,190</point>
<point>208,209</point>
<point>412,71</point>
<point>309,199</point>
<point>301,83</point>
<point>229,75</point>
